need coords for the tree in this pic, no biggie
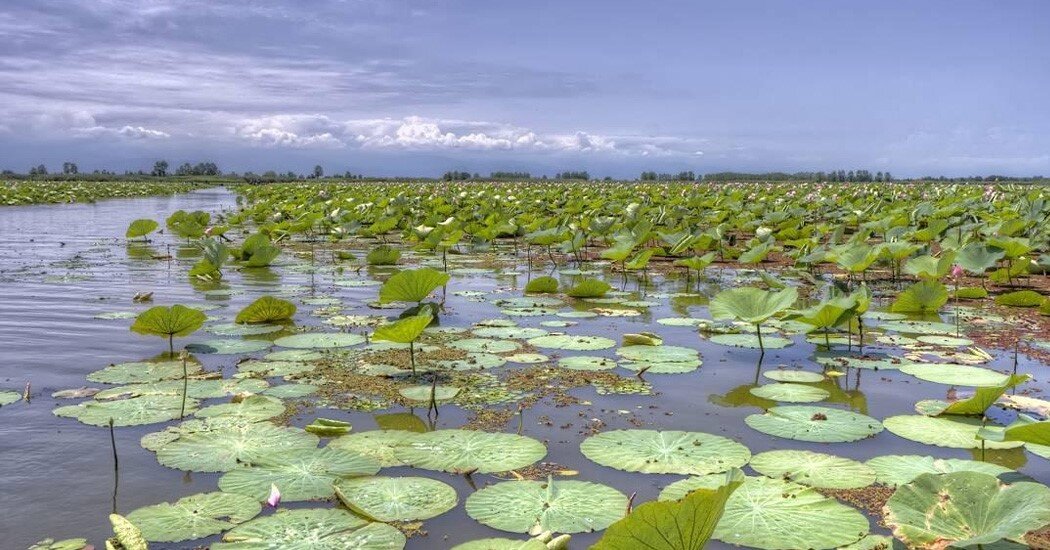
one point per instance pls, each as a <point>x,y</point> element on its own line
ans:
<point>160,168</point>
<point>39,170</point>
<point>69,168</point>
<point>318,172</point>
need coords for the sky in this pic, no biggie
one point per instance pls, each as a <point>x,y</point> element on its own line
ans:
<point>418,87</point>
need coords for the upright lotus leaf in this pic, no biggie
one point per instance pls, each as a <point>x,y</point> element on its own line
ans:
<point>266,309</point>
<point>930,267</point>
<point>751,305</point>
<point>383,255</point>
<point>775,514</point>
<point>1025,429</point>
<point>177,320</point>
<point>965,509</point>
<point>589,288</point>
<point>141,228</point>
<point>412,285</point>
<point>922,297</point>
<point>1020,298</point>
<point>403,331</point>
<point>814,424</point>
<point>977,404</point>
<point>685,524</point>
<point>896,470</point>
<point>468,450</point>
<point>194,517</point>
<point>978,258</point>
<point>312,529</point>
<point>542,285</point>
<point>555,505</point>
<point>829,313</point>
<point>855,257</point>
<point>665,452</point>
<point>126,534</point>
<point>303,474</point>
<point>396,498</point>
<point>819,470</point>
<point>640,260</point>
<point>258,251</point>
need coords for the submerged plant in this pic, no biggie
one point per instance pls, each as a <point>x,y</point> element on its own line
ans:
<point>169,322</point>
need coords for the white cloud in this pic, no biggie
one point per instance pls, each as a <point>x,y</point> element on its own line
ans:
<point>83,124</point>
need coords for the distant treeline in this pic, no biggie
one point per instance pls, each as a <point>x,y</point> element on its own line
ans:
<point>209,172</point>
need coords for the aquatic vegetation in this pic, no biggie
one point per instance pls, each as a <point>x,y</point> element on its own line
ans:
<point>396,498</point>
<point>193,517</point>
<point>752,305</point>
<point>141,228</point>
<point>671,452</point>
<point>38,192</point>
<point>177,320</point>
<point>554,505</point>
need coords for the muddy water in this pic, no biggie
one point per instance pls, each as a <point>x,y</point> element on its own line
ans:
<point>61,265</point>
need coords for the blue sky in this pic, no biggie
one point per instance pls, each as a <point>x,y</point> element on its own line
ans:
<point>406,87</point>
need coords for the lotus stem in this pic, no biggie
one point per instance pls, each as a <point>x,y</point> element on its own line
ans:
<point>758,329</point>
<point>185,386</point>
<point>412,357</point>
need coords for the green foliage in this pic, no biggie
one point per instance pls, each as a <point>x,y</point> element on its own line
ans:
<point>685,524</point>
<point>412,285</point>
<point>188,225</point>
<point>977,258</point>
<point>589,288</point>
<point>174,321</point>
<point>141,228</point>
<point>265,310</point>
<point>1020,298</point>
<point>971,293</point>
<point>258,251</point>
<point>383,255</point>
<point>403,331</point>
<point>751,305</point>
<point>542,285</point>
<point>921,297</point>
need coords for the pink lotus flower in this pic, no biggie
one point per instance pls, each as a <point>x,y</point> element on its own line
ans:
<point>275,496</point>
<point>957,271</point>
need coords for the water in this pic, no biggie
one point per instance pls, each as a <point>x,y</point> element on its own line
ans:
<point>60,265</point>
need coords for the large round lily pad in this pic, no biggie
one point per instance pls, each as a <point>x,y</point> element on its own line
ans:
<point>660,359</point>
<point>787,392</point>
<point>320,340</point>
<point>746,340</point>
<point>965,509</point>
<point>312,529</point>
<point>378,445</point>
<point>8,397</point>
<point>397,498</point>
<point>468,450</point>
<point>300,474</point>
<point>142,372</point>
<point>194,517</point>
<point>774,514</point>
<point>228,346</point>
<point>147,409</point>
<point>901,469</point>
<point>956,432</point>
<point>485,345</point>
<point>665,452</point>
<point>570,342</point>
<point>519,333</point>
<point>498,543</point>
<point>802,376</point>
<point>956,375</point>
<point>251,409</point>
<point>587,362</point>
<point>228,446</point>
<point>814,424</point>
<point>424,392</point>
<point>819,470</point>
<point>552,505</point>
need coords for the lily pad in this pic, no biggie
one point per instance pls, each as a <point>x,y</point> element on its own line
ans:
<point>320,340</point>
<point>802,376</point>
<point>745,340</point>
<point>379,445</point>
<point>300,474</point>
<point>965,509</point>
<point>423,392</point>
<point>955,375</point>
<point>8,397</point>
<point>141,372</point>
<point>519,333</point>
<point>136,411</point>
<point>570,342</point>
<point>554,505</point>
<point>787,392</point>
<point>230,445</point>
<point>587,362</point>
<point>955,432</point>
<point>228,346</point>
<point>397,498</point>
<point>665,452</point>
<point>194,517</point>
<point>312,529</point>
<point>466,450</point>
<point>814,424</point>
<point>250,409</point>
<point>485,345</point>
<point>818,470</point>
<point>900,469</point>
<point>233,329</point>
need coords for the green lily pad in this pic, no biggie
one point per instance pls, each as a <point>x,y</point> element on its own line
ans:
<point>294,355</point>
<point>818,470</point>
<point>397,498</point>
<point>500,544</point>
<point>136,411</point>
<point>519,333</point>
<point>379,445</point>
<point>8,397</point>
<point>814,424</point>
<point>300,474</point>
<point>485,345</point>
<point>570,342</point>
<point>554,505</point>
<point>473,361</point>
<point>801,376</point>
<point>197,389</point>
<point>194,517</point>
<point>250,409</point>
<point>787,392</point>
<point>527,358</point>
<point>142,372</point>
<point>71,544</point>
<point>900,469</point>
<point>946,341</point>
<point>290,391</point>
<point>233,329</point>
<point>965,509</point>
<point>312,529</point>
<point>230,445</point>
<point>466,450</point>
<point>774,514</point>
<point>228,346</point>
<point>423,392</point>
<point>665,452</point>
<point>660,359</point>
<point>957,432</point>
<point>587,362</point>
<point>320,340</point>
<point>955,375</point>
<point>745,340</point>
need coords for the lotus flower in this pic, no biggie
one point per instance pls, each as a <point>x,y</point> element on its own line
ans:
<point>957,271</point>
<point>275,496</point>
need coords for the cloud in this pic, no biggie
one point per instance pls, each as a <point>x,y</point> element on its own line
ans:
<point>83,124</point>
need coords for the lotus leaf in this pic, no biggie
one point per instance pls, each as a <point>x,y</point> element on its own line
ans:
<point>136,411</point>
<point>818,470</point>
<point>922,297</point>
<point>266,309</point>
<point>793,376</point>
<point>194,517</point>
<point>141,228</point>
<point>312,529</point>
<point>554,505</point>
<point>250,409</point>
<point>815,424</point>
<point>300,474</point>
<point>956,375</point>
<point>787,392</point>
<point>665,452</point>
<point>466,450</point>
<point>589,288</point>
<point>396,498</point>
<point>228,446</point>
<point>957,432</point>
<point>412,285</point>
<point>379,445</point>
<point>320,340</point>
<point>571,342</point>
<point>587,362</point>
<point>900,469</point>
